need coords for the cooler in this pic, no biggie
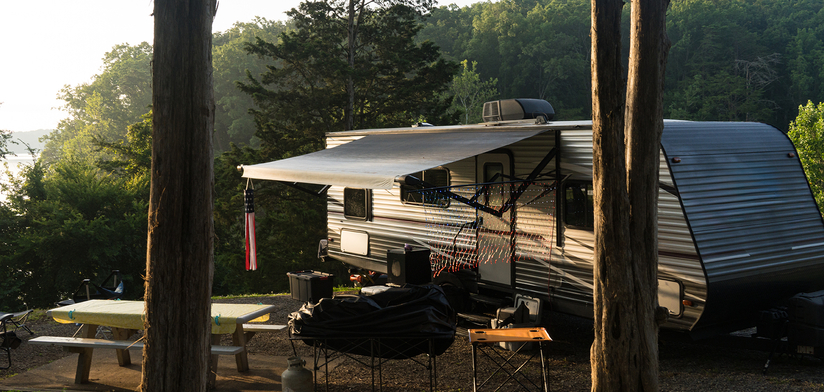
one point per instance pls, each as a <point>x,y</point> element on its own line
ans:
<point>310,286</point>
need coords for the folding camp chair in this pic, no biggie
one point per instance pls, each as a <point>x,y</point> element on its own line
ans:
<point>110,288</point>
<point>90,290</point>
<point>9,337</point>
<point>18,320</point>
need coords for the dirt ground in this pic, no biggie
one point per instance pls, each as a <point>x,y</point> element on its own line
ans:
<point>684,365</point>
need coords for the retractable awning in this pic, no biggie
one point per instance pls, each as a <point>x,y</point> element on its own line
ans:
<point>374,161</point>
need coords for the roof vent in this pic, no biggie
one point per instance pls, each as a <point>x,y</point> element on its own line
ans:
<point>517,109</point>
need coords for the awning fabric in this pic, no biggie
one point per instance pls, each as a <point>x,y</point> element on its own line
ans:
<point>374,161</point>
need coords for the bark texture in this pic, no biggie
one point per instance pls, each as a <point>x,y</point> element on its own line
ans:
<point>180,241</point>
<point>352,38</point>
<point>612,272</point>
<point>624,355</point>
<point>649,46</point>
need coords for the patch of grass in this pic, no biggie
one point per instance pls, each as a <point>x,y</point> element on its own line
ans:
<point>334,289</point>
<point>39,315</point>
<point>247,295</point>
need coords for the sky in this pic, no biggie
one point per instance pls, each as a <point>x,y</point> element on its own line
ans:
<point>47,44</point>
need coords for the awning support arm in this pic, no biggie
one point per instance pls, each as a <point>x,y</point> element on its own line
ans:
<point>413,181</point>
<point>307,190</point>
<point>529,179</point>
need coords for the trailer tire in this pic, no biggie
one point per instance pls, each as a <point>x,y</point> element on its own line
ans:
<point>456,294</point>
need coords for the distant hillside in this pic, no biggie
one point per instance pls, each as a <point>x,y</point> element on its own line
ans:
<point>30,137</point>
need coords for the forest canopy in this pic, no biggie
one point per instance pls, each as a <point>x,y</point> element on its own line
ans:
<point>731,60</point>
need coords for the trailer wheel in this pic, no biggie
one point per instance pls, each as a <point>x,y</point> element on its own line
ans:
<point>456,294</point>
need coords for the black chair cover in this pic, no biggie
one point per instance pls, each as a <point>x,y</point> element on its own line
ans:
<point>404,319</point>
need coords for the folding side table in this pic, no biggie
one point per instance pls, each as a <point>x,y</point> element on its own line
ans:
<point>480,337</point>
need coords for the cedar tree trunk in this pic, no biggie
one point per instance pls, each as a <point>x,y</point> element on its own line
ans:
<point>352,31</point>
<point>649,46</point>
<point>624,355</point>
<point>179,262</point>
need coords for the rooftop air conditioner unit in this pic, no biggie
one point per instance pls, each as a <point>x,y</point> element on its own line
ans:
<point>517,109</point>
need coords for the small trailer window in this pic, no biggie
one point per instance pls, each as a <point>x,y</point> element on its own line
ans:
<point>578,205</point>
<point>437,177</point>
<point>357,203</point>
<point>494,195</point>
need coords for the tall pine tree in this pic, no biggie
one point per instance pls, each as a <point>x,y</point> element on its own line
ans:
<point>349,64</point>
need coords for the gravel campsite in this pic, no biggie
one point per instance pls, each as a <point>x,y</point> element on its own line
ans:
<point>684,365</point>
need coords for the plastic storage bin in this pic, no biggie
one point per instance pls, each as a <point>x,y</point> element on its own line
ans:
<point>310,286</point>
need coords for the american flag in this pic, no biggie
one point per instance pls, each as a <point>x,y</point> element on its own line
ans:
<point>251,250</point>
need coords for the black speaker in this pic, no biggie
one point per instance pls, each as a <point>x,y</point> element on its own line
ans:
<point>408,266</point>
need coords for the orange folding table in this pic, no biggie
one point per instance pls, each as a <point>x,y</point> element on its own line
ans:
<point>481,337</point>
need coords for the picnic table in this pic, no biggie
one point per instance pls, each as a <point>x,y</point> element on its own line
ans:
<point>126,317</point>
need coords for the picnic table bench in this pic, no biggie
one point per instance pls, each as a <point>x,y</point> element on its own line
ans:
<point>72,344</point>
<point>126,317</point>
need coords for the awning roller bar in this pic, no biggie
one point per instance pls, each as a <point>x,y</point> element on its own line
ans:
<point>376,161</point>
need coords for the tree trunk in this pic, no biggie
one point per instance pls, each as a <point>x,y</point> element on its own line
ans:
<point>649,46</point>
<point>612,276</point>
<point>179,263</point>
<point>349,111</point>
<point>624,355</point>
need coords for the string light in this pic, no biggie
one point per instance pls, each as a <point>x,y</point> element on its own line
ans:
<point>463,237</point>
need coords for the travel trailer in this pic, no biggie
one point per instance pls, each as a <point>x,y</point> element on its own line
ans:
<point>505,208</point>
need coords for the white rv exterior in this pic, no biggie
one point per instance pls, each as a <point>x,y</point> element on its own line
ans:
<point>725,189</point>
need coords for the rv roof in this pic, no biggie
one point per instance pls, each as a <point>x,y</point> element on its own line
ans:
<point>502,126</point>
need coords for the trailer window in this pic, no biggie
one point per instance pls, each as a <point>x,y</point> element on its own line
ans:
<point>438,177</point>
<point>494,194</point>
<point>578,205</point>
<point>357,203</point>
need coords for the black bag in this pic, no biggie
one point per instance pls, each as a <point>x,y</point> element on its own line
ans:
<point>402,320</point>
<point>10,340</point>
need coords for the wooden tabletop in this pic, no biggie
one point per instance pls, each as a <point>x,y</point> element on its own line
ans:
<point>508,335</point>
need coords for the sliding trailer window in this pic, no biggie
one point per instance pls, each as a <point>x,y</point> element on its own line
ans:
<point>578,205</point>
<point>357,203</point>
<point>438,177</point>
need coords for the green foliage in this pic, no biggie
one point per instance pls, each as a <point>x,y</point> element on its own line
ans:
<point>535,49</point>
<point>5,138</point>
<point>742,60</point>
<point>104,108</point>
<point>305,93</point>
<point>807,133</point>
<point>101,111</point>
<point>131,157</point>
<point>470,92</point>
<point>230,63</point>
<point>289,225</point>
<point>68,223</point>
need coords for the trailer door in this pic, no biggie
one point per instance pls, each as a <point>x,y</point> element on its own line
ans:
<point>494,236</point>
